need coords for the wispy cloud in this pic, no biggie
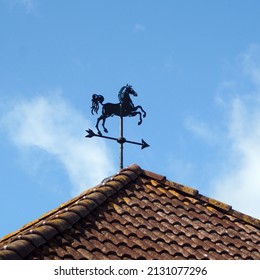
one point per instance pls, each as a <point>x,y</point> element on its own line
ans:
<point>235,139</point>
<point>28,5</point>
<point>139,27</point>
<point>251,63</point>
<point>181,170</point>
<point>200,129</point>
<point>238,181</point>
<point>51,124</point>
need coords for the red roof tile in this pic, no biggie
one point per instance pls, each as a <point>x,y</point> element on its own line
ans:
<point>137,214</point>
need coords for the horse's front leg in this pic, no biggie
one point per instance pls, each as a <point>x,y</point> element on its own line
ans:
<point>140,116</point>
<point>103,124</point>
<point>141,108</point>
<point>98,120</point>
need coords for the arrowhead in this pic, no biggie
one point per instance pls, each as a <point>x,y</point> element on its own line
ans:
<point>90,133</point>
<point>144,144</point>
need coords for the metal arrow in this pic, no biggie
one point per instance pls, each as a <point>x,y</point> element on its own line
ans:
<point>120,140</point>
<point>143,144</point>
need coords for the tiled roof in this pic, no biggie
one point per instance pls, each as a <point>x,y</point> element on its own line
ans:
<point>137,214</point>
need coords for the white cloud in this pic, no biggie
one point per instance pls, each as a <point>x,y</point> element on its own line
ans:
<point>234,177</point>
<point>238,181</point>
<point>52,125</point>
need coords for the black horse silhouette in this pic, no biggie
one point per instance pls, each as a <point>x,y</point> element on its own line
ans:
<point>124,108</point>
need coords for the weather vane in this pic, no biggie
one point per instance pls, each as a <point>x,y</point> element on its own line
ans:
<point>125,108</point>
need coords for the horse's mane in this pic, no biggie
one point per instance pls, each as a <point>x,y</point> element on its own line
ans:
<point>122,92</point>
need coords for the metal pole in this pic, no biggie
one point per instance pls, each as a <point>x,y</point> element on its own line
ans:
<point>121,141</point>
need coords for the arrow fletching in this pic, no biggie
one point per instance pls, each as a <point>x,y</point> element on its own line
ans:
<point>90,134</point>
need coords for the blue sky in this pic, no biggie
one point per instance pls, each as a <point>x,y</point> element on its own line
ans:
<point>194,64</point>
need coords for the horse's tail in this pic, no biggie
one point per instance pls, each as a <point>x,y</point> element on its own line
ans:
<point>96,99</point>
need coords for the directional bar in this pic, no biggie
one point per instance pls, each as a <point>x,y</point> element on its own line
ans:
<point>120,140</point>
<point>143,143</point>
<point>91,134</point>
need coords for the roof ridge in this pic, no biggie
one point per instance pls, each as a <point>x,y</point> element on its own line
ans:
<point>208,200</point>
<point>170,197</point>
<point>65,216</point>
